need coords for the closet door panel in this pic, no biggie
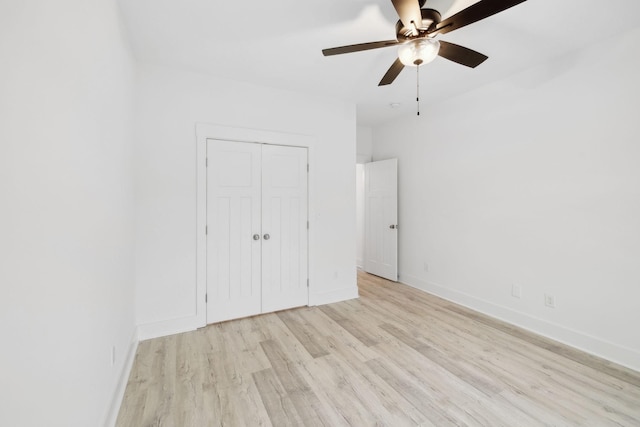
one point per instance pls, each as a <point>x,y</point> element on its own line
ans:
<point>284,222</point>
<point>233,218</point>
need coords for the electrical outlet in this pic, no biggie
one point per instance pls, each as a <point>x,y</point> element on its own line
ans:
<point>113,355</point>
<point>549,301</point>
<point>425,266</point>
<point>516,291</point>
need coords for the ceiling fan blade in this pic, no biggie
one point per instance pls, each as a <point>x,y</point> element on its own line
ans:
<point>358,47</point>
<point>461,54</point>
<point>476,12</point>
<point>392,73</point>
<point>409,11</point>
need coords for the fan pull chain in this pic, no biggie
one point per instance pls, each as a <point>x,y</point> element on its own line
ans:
<point>418,87</point>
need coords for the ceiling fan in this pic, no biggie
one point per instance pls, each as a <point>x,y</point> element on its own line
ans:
<point>416,33</point>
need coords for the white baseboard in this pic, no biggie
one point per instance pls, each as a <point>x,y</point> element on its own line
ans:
<point>123,378</point>
<point>336,295</point>
<point>615,353</point>
<point>168,327</point>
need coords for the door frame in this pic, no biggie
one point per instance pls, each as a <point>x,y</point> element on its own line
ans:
<point>204,132</point>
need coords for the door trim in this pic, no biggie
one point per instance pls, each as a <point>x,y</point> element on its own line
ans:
<point>204,132</point>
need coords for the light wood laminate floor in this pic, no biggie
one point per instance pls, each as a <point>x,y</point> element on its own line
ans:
<point>394,357</point>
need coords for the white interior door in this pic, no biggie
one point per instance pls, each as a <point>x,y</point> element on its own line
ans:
<point>284,227</point>
<point>234,230</point>
<point>381,218</point>
<point>257,229</point>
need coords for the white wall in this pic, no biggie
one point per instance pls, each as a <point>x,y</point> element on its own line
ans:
<point>364,144</point>
<point>66,214</point>
<point>532,181</point>
<point>170,103</point>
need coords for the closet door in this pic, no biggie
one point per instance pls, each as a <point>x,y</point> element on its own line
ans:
<point>284,227</point>
<point>257,229</point>
<point>234,234</point>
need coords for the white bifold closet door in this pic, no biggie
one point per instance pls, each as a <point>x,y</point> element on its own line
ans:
<point>257,229</point>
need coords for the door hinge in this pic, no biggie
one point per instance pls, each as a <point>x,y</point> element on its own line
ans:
<point>206,229</point>
<point>307,225</point>
<point>206,162</point>
<point>307,282</point>
<point>307,167</point>
<point>206,297</point>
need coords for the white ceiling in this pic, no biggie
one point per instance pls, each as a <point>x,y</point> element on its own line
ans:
<point>278,43</point>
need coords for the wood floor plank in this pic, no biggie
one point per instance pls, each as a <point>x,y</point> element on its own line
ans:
<point>396,356</point>
<point>275,330</point>
<point>431,408</point>
<point>300,392</point>
<point>346,394</point>
<point>277,402</point>
<point>452,364</point>
<point>355,328</point>
<point>436,381</point>
<point>247,355</point>
<point>337,339</point>
<point>160,395</point>
<point>356,380</point>
<point>304,331</point>
<point>538,412</point>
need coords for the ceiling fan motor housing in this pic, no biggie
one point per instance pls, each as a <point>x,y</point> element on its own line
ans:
<point>430,18</point>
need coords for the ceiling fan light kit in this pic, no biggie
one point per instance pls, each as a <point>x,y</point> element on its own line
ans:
<point>416,31</point>
<point>418,52</point>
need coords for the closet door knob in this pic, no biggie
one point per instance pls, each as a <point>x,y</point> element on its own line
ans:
<point>256,237</point>
<point>266,237</point>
